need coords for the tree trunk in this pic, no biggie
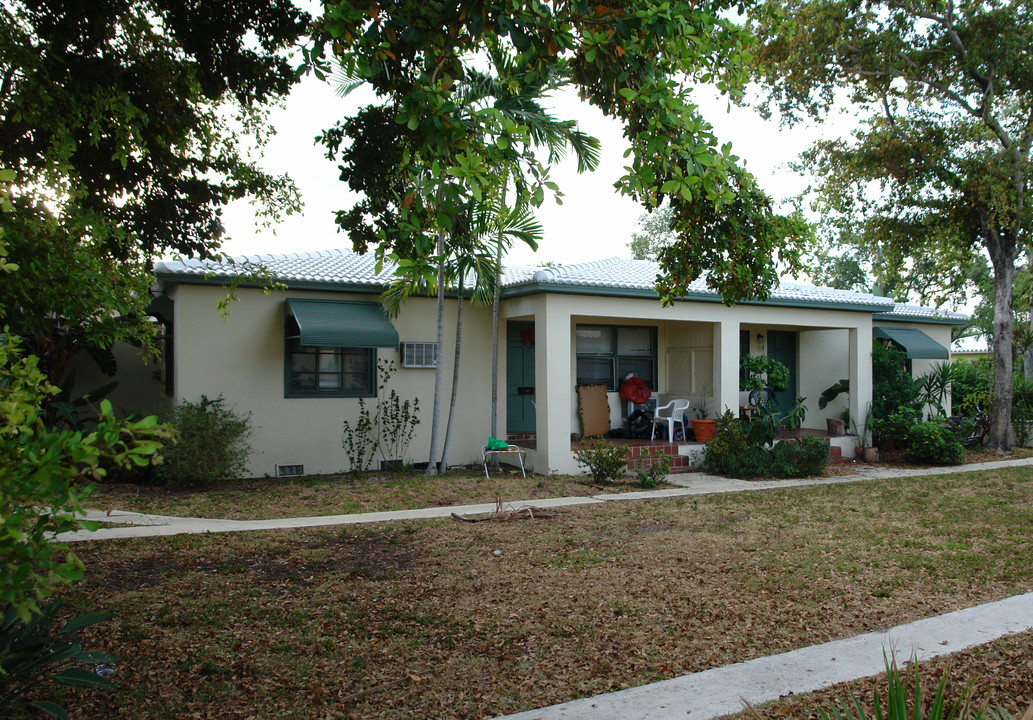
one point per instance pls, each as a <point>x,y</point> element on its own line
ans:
<point>432,462</point>
<point>495,350</point>
<point>1003,338</point>
<point>455,377</point>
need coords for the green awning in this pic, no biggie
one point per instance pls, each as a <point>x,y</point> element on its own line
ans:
<point>336,323</point>
<point>916,343</point>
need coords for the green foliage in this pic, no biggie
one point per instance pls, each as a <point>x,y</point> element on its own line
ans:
<point>736,452</point>
<point>832,392</point>
<point>213,443</point>
<point>388,429</point>
<point>763,426</point>
<point>358,440</point>
<point>936,386</point>
<point>44,475</point>
<point>933,442</point>
<point>656,471</point>
<point>132,114</point>
<point>896,427</point>
<point>603,460</point>
<point>903,702</point>
<point>763,371</point>
<point>936,177</point>
<point>892,385</point>
<point>970,387</point>
<point>33,656</point>
<point>426,153</point>
<point>1022,408</point>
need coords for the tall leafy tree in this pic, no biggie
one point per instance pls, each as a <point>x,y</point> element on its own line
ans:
<point>124,125</point>
<point>940,165</point>
<point>636,61</point>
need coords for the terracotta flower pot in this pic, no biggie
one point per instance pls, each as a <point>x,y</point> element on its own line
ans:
<point>704,430</point>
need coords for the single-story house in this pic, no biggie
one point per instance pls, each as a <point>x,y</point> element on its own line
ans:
<point>301,359</point>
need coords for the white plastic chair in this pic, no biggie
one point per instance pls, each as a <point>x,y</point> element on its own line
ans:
<point>676,414</point>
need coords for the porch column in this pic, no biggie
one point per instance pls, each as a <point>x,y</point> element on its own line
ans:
<point>553,387</point>
<point>860,374</point>
<point>726,368</point>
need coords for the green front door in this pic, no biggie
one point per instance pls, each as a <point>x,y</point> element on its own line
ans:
<point>520,378</point>
<point>782,347</point>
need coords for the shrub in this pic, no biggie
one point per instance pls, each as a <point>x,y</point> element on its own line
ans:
<point>603,460</point>
<point>388,429</point>
<point>892,385</point>
<point>729,443</point>
<point>734,453</point>
<point>33,655</point>
<point>971,387</point>
<point>45,475</point>
<point>896,427</point>
<point>810,456</point>
<point>931,442</point>
<point>214,443</point>
<point>656,470</point>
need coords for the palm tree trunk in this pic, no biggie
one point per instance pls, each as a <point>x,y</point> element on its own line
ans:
<point>432,461</point>
<point>455,376</point>
<point>495,348</point>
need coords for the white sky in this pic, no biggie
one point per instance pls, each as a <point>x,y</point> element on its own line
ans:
<point>594,221</point>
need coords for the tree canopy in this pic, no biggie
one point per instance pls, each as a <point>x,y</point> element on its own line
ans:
<point>127,117</point>
<point>427,154</point>
<point>939,166</point>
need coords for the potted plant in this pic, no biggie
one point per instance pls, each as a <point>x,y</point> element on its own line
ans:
<point>703,427</point>
<point>865,451</point>
<point>763,372</point>
<point>836,426</point>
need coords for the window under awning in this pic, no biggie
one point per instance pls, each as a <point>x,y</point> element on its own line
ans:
<point>338,323</point>
<point>916,343</point>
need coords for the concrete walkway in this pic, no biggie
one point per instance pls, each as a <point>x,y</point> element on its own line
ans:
<point>703,695</point>
<point>121,524</point>
<point>725,690</point>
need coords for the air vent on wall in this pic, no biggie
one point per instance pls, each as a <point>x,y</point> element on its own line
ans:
<point>290,471</point>
<point>419,354</point>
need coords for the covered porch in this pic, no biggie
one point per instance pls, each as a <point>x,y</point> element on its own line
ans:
<point>559,340</point>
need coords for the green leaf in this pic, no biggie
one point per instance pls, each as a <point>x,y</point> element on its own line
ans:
<point>77,677</point>
<point>52,709</point>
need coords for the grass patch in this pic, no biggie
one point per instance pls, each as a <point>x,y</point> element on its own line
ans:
<point>266,498</point>
<point>302,624</point>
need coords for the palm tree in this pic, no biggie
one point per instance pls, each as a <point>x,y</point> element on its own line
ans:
<point>509,95</point>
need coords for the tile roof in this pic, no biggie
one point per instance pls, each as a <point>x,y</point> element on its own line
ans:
<point>902,312</point>
<point>970,345</point>
<point>345,267</point>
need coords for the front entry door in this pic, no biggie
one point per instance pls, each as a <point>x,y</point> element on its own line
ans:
<point>520,377</point>
<point>782,347</point>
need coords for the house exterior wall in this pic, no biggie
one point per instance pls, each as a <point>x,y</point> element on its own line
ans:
<point>242,357</point>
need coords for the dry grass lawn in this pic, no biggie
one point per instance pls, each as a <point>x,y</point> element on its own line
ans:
<point>441,619</point>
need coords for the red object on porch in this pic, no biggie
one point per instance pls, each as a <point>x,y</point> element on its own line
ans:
<point>633,389</point>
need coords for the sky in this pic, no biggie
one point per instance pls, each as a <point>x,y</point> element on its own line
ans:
<point>594,222</point>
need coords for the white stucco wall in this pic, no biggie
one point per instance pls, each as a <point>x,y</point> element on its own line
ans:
<point>242,357</point>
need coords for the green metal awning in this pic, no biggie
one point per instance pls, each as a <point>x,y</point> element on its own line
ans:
<point>916,343</point>
<point>336,323</point>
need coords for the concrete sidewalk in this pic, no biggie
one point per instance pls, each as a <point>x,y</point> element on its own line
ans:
<point>726,690</point>
<point>121,524</point>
